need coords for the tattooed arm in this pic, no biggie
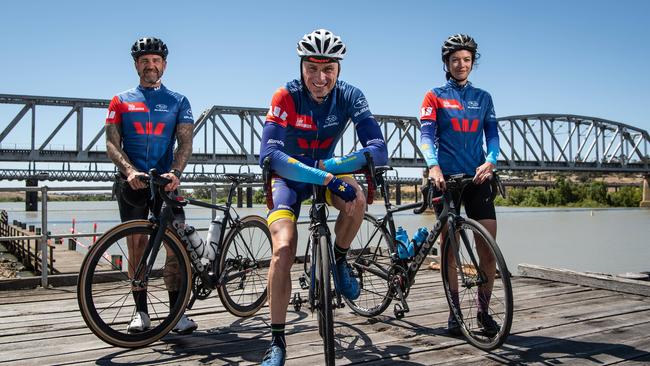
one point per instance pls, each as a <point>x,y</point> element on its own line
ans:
<point>118,156</point>
<point>181,154</point>
<point>183,151</point>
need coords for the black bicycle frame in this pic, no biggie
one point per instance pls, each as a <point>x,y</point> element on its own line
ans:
<point>449,214</point>
<point>165,216</point>
<point>318,228</point>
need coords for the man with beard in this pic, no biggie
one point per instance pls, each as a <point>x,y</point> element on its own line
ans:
<point>142,127</point>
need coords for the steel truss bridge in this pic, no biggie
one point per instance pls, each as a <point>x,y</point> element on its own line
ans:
<point>231,136</point>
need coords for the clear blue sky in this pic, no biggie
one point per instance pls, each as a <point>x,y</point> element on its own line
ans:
<point>578,57</point>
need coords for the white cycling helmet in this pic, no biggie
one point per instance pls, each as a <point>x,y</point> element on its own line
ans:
<point>321,43</point>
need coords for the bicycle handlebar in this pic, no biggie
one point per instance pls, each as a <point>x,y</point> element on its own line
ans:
<point>455,182</point>
<point>157,185</point>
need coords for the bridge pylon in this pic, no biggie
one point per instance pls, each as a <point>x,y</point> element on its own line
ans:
<point>645,198</point>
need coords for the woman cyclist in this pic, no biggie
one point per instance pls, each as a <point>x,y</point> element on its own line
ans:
<point>454,118</point>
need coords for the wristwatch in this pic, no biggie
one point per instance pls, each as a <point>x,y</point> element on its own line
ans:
<point>177,173</point>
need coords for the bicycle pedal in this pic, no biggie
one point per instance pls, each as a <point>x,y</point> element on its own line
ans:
<point>297,301</point>
<point>399,311</point>
<point>302,280</point>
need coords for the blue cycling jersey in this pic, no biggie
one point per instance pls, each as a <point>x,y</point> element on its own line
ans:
<point>299,131</point>
<point>453,120</point>
<point>147,118</point>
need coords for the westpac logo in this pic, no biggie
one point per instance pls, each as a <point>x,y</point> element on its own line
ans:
<point>464,125</point>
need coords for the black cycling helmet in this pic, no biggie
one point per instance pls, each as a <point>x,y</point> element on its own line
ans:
<point>459,42</point>
<point>147,46</point>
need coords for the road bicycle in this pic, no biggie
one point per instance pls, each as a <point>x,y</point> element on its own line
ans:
<point>464,264</point>
<point>320,276</point>
<point>108,277</point>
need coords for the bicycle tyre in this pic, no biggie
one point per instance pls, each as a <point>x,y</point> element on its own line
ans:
<point>500,302</point>
<point>104,290</point>
<point>325,311</point>
<point>370,258</point>
<point>245,260</point>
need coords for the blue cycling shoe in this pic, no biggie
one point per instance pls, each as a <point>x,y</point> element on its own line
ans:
<point>347,285</point>
<point>274,356</point>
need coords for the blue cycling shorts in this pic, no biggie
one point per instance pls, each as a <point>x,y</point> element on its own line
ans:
<point>288,196</point>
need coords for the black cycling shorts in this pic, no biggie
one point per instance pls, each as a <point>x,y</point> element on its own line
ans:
<point>478,201</point>
<point>135,204</point>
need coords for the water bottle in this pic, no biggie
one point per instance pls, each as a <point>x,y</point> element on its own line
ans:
<point>214,234</point>
<point>420,236</point>
<point>404,246</point>
<point>197,243</point>
<point>418,239</point>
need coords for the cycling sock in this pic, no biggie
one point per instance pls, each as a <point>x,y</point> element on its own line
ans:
<point>173,296</point>
<point>483,301</point>
<point>455,301</point>
<point>140,299</point>
<point>339,252</point>
<point>277,333</point>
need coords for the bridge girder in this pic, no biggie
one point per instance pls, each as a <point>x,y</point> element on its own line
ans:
<point>227,135</point>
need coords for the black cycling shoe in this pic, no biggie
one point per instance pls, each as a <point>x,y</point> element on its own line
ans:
<point>453,327</point>
<point>489,325</point>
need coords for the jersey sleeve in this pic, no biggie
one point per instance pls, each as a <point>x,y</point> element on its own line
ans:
<point>114,114</point>
<point>428,129</point>
<point>185,112</point>
<point>372,141</point>
<point>273,136</point>
<point>490,126</point>
<point>282,108</point>
<point>358,108</point>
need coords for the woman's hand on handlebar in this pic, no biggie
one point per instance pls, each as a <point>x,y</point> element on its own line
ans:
<point>436,176</point>
<point>483,172</point>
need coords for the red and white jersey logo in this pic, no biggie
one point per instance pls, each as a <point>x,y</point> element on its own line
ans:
<point>278,112</point>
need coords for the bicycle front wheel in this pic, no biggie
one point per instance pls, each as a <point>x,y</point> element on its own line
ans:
<point>244,266</point>
<point>370,258</point>
<point>325,311</point>
<point>105,290</point>
<point>477,284</point>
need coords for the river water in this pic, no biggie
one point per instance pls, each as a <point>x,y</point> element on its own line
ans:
<point>608,240</point>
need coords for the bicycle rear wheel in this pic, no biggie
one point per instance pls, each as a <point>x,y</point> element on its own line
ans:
<point>475,296</point>
<point>325,311</point>
<point>244,266</point>
<point>105,288</point>
<point>369,256</point>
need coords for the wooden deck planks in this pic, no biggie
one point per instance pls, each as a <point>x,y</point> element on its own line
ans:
<point>554,323</point>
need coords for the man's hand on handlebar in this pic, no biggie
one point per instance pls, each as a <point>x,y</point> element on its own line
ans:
<point>135,181</point>
<point>175,182</point>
